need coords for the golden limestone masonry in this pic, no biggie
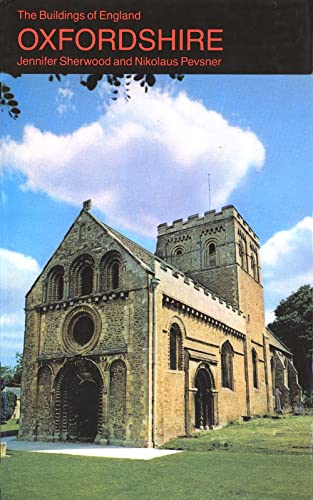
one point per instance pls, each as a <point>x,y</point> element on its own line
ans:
<point>126,347</point>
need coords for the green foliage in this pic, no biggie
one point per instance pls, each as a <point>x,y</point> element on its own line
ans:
<point>8,402</point>
<point>293,325</point>
<point>8,101</point>
<point>308,399</point>
<point>11,376</point>
<point>6,375</point>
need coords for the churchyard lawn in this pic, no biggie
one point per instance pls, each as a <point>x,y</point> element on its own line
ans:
<point>260,459</point>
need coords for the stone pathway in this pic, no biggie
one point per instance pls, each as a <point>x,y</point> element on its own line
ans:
<point>87,450</point>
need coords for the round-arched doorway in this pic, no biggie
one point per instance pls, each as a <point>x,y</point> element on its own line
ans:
<point>204,408</point>
<point>78,401</point>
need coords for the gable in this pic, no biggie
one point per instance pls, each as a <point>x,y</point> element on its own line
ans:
<point>88,236</point>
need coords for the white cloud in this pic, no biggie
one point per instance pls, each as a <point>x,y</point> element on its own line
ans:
<point>64,100</point>
<point>142,163</point>
<point>11,319</point>
<point>286,259</point>
<point>17,273</point>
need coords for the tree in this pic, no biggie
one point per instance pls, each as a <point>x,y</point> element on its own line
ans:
<point>6,375</point>
<point>12,375</point>
<point>294,326</point>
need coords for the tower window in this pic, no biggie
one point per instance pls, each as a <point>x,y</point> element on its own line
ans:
<point>176,354</point>
<point>242,256</point>
<point>255,368</point>
<point>253,267</point>
<point>227,355</point>
<point>210,254</point>
<point>178,251</point>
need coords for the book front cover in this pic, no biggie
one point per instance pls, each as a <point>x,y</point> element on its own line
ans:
<point>156,209</point>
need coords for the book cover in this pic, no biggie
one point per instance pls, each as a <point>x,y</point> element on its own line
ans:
<point>156,185</point>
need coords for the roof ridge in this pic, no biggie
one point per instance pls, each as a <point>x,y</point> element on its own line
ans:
<point>278,339</point>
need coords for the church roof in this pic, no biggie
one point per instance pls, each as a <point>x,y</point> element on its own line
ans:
<point>142,254</point>
<point>276,342</point>
<point>145,257</point>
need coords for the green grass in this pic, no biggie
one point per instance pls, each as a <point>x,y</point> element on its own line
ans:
<point>288,435</point>
<point>240,472</point>
<point>11,425</point>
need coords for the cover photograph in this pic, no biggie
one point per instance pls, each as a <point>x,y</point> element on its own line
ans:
<point>156,249</point>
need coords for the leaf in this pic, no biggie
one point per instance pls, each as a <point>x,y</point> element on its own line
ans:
<point>150,80</point>
<point>16,111</point>
<point>138,77</point>
<point>92,82</point>
<point>12,103</point>
<point>8,96</point>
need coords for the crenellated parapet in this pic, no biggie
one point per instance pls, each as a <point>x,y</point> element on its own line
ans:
<point>210,216</point>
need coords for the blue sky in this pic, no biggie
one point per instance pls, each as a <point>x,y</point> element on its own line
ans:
<point>252,133</point>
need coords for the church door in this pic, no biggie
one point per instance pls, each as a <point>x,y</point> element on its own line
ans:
<point>79,396</point>
<point>204,400</point>
<point>87,407</point>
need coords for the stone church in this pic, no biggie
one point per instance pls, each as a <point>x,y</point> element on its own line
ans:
<point>126,347</point>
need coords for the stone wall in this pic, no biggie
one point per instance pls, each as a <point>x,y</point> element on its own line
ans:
<point>121,319</point>
<point>202,340</point>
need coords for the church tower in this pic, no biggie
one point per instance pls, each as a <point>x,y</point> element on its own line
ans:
<point>220,251</point>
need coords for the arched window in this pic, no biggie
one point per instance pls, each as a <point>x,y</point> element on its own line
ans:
<point>111,271</point>
<point>86,280</point>
<point>255,368</point>
<point>82,272</point>
<point>115,274</point>
<point>55,284</point>
<point>254,267</point>
<point>242,256</point>
<point>178,251</point>
<point>227,355</point>
<point>176,348</point>
<point>210,254</point>
<point>286,373</point>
